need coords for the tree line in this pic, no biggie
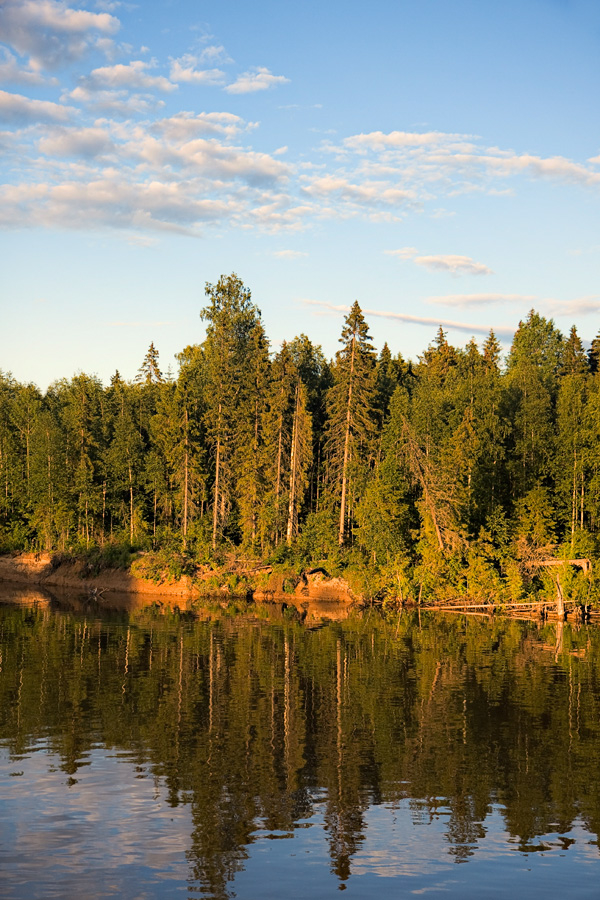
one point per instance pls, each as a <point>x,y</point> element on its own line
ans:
<point>454,472</point>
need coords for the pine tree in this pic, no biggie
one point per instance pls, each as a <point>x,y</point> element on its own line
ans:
<point>351,412</point>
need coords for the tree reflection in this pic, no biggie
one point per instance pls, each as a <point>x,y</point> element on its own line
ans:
<point>257,725</point>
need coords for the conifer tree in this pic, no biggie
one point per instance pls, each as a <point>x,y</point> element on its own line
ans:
<point>124,456</point>
<point>185,452</point>
<point>81,415</point>
<point>278,428</point>
<point>231,318</point>
<point>315,373</point>
<point>300,457</point>
<point>12,497</point>
<point>574,358</point>
<point>250,451</point>
<point>594,355</point>
<point>533,365</point>
<point>149,371</point>
<point>351,414</point>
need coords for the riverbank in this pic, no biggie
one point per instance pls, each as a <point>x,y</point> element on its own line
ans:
<point>260,585</point>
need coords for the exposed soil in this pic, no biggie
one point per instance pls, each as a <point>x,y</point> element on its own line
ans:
<point>311,588</point>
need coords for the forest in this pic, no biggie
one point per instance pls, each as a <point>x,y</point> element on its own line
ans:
<point>454,475</point>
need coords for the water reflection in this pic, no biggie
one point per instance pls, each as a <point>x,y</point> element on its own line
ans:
<point>145,750</point>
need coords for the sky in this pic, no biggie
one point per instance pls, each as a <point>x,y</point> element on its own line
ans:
<point>436,160</point>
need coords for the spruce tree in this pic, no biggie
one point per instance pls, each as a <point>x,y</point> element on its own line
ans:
<point>300,457</point>
<point>351,413</point>
<point>231,321</point>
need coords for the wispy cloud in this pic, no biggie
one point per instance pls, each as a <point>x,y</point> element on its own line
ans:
<point>138,324</point>
<point>395,140</point>
<point>579,306</point>
<point>469,328</point>
<point>482,299</point>
<point>453,263</point>
<point>355,196</point>
<point>403,252</point>
<point>447,262</point>
<point>259,79</point>
<point>289,254</point>
<point>586,305</point>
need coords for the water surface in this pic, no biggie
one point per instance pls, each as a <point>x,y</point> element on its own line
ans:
<point>150,753</point>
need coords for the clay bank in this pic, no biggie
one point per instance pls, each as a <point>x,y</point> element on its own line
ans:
<point>260,585</point>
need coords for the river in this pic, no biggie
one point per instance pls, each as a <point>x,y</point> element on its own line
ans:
<point>147,752</point>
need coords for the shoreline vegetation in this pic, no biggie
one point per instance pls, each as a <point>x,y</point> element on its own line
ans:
<point>454,480</point>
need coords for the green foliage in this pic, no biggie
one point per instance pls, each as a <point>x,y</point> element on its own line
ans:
<point>449,477</point>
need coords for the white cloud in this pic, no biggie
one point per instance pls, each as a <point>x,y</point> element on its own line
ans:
<point>19,109</point>
<point>120,104</point>
<point>186,125</point>
<point>259,79</point>
<point>51,33</point>
<point>148,177</point>
<point>208,157</point>
<point>83,142</point>
<point>185,70</point>
<point>453,263</point>
<point>289,254</point>
<point>111,201</point>
<point>133,76</point>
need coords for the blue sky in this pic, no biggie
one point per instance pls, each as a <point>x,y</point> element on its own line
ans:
<point>438,161</point>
